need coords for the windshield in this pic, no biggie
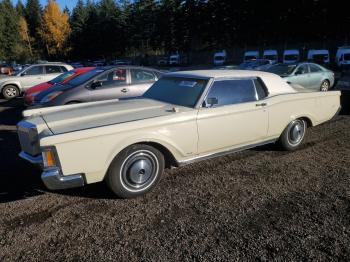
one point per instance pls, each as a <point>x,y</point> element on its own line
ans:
<point>177,90</point>
<point>281,70</point>
<point>271,57</point>
<point>84,77</point>
<point>291,57</point>
<point>62,77</point>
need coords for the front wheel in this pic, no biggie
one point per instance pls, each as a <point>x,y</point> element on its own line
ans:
<point>293,135</point>
<point>325,85</point>
<point>135,171</point>
<point>10,92</point>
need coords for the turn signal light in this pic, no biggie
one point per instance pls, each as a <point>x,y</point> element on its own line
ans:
<point>49,159</point>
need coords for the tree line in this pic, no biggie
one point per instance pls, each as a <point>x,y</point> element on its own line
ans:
<point>109,28</point>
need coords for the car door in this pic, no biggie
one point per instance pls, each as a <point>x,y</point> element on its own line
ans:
<point>52,71</point>
<point>111,85</point>
<point>232,115</point>
<point>301,76</point>
<point>32,76</point>
<point>317,75</point>
<point>141,81</point>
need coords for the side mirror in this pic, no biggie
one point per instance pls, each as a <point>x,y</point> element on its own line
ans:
<point>211,101</point>
<point>96,84</point>
<point>23,74</point>
<point>299,72</point>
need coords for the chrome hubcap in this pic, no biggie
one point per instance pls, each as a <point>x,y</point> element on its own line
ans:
<point>139,170</point>
<point>296,132</point>
<point>324,86</point>
<point>10,92</point>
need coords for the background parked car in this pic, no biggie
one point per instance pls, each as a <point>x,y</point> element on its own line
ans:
<point>100,84</point>
<point>250,55</point>
<point>13,86</point>
<point>6,69</point>
<point>271,55</point>
<point>30,93</point>
<point>220,58</point>
<point>291,56</point>
<point>342,58</point>
<point>254,64</point>
<point>319,56</point>
<point>307,75</point>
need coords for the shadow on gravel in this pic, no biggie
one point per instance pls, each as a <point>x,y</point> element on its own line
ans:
<point>19,180</point>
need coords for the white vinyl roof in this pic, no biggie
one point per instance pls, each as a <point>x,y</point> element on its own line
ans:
<point>274,83</point>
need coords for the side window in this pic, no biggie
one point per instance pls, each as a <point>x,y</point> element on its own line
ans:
<point>115,78</point>
<point>63,69</point>
<point>227,92</point>
<point>141,76</point>
<point>35,70</point>
<point>53,69</point>
<point>314,68</point>
<point>302,69</point>
<point>261,89</point>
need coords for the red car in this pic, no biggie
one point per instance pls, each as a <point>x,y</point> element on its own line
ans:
<point>30,93</point>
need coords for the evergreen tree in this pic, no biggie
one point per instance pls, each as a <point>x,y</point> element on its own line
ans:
<point>33,16</point>
<point>8,30</point>
<point>20,8</point>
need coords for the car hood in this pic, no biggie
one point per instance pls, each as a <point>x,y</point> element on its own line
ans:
<point>38,88</point>
<point>69,118</point>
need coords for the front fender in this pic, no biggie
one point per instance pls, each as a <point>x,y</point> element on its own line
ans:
<point>11,82</point>
<point>163,141</point>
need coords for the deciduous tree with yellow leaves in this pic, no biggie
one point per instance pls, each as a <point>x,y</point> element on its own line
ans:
<point>55,30</point>
<point>24,34</point>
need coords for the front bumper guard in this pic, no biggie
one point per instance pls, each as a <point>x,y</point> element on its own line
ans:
<point>53,178</point>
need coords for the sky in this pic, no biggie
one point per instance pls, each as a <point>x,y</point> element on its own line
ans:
<point>62,3</point>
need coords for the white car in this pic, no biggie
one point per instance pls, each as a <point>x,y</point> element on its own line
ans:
<point>13,86</point>
<point>183,118</point>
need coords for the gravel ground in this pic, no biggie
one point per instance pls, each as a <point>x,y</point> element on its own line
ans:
<point>261,204</point>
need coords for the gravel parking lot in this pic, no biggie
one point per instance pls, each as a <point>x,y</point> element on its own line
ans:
<point>261,204</point>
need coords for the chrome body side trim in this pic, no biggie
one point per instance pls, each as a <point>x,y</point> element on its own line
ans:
<point>38,160</point>
<point>224,153</point>
<point>54,180</point>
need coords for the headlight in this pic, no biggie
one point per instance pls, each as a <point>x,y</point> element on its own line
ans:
<point>49,158</point>
<point>50,97</point>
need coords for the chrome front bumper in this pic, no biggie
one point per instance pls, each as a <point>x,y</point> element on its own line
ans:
<point>53,178</point>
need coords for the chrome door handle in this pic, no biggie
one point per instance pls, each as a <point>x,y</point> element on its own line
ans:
<point>124,90</point>
<point>261,104</point>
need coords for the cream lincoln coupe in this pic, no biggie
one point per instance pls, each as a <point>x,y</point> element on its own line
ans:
<point>184,117</point>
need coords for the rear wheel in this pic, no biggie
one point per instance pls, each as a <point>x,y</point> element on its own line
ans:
<point>10,92</point>
<point>325,85</point>
<point>293,135</point>
<point>135,171</point>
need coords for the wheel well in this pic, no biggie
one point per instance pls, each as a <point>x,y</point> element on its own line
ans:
<point>168,156</point>
<point>19,91</point>
<point>307,120</point>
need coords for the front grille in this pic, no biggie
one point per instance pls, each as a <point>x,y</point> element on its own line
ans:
<point>28,137</point>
